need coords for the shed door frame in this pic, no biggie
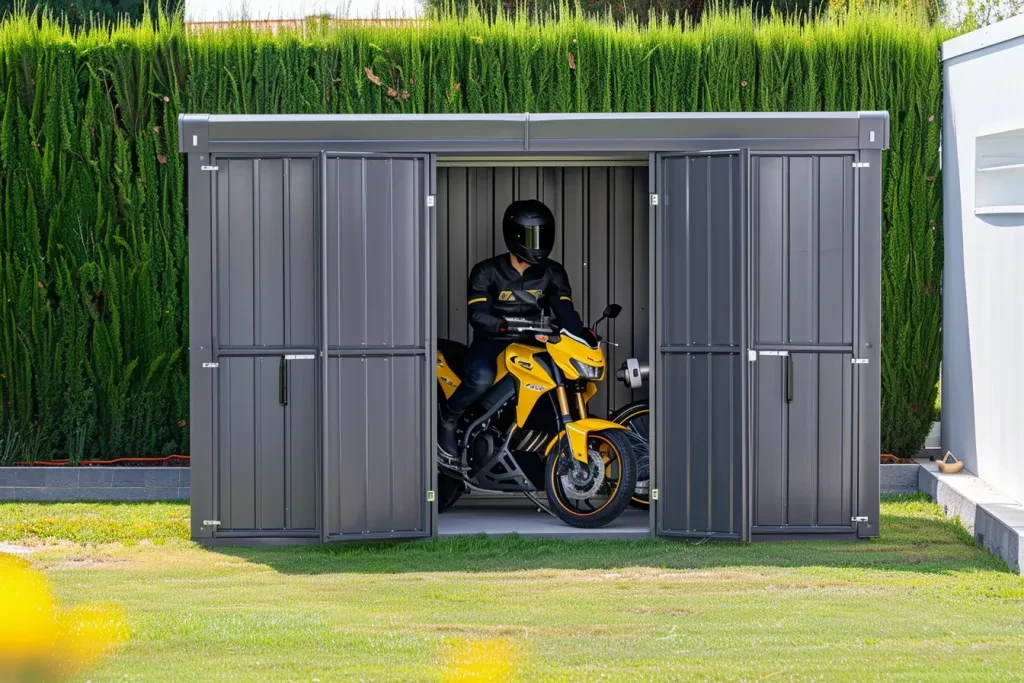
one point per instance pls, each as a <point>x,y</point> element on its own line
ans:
<point>657,348</point>
<point>424,349</point>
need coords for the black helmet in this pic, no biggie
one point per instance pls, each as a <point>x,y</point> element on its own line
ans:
<point>529,230</point>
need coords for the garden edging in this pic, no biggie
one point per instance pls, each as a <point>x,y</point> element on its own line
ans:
<point>69,484</point>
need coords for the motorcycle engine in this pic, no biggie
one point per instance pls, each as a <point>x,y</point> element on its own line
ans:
<point>483,447</point>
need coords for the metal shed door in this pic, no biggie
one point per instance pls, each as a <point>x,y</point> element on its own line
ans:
<point>377,381</point>
<point>803,291</point>
<point>699,381</point>
<point>265,300</point>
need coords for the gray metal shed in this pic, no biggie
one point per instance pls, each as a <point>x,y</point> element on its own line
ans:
<point>326,252</point>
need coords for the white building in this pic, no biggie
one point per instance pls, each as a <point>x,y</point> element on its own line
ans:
<point>983,278</point>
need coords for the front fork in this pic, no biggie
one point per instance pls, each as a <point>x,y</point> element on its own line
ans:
<point>565,418</point>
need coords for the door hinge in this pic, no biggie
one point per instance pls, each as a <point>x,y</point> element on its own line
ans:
<point>654,494</point>
<point>209,168</point>
<point>211,365</point>
<point>858,519</point>
<point>859,361</point>
<point>861,164</point>
<point>431,200</point>
<point>752,355</point>
<point>430,496</point>
<point>300,356</point>
<point>654,200</point>
<point>211,522</point>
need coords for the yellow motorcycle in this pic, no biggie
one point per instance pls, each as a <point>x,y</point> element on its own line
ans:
<point>531,431</point>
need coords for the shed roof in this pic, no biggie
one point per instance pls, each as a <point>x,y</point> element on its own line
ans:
<point>533,133</point>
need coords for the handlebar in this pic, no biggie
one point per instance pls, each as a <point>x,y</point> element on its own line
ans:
<point>528,327</point>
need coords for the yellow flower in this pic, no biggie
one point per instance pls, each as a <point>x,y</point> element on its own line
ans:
<point>481,660</point>
<point>28,618</point>
<point>41,641</point>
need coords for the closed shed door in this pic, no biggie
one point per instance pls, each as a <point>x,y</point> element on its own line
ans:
<point>379,390</point>
<point>266,297</point>
<point>699,383</point>
<point>803,294</point>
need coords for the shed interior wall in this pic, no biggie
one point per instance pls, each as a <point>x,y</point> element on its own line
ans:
<point>601,210</point>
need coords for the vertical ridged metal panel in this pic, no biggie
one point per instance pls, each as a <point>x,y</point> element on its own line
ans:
<point>266,289</point>
<point>698,409</point>
<point>378,455</point>
<point>803,447</point>
<point>602,242</point>
<point>804,241</point>
<point>803,249</point>
<point>267,460</point>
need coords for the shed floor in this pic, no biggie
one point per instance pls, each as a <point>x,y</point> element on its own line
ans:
<point>531,523</point>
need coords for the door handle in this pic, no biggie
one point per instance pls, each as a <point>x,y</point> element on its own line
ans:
<point>789,378</point>
<point>282,382</point>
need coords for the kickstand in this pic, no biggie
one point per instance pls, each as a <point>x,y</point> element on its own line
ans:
<point>540,506</point>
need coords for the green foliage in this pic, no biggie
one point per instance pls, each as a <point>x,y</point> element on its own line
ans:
<point>81,12</point>
<point>643,11</point>
<point>93,326</point>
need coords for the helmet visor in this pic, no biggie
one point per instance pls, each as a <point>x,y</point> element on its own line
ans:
<point>536,237</point>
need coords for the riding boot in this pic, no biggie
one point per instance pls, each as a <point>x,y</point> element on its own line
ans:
<point>446,440</point>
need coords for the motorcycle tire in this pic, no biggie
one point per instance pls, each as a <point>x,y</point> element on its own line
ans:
<point>449,489</point>
<point>636,418</point>
<point>616,502</point>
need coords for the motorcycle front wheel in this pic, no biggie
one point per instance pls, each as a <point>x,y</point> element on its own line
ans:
<point>592,495</point>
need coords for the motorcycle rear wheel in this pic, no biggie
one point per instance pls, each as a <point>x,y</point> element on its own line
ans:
<point>449,490</point>
<point>636,417</point>
<point>614,494</point>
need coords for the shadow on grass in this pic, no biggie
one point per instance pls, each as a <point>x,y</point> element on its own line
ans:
<point>908,543</point>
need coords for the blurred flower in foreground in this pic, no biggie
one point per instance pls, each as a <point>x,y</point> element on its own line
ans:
<point>487,659</point>
<point>41,641</point>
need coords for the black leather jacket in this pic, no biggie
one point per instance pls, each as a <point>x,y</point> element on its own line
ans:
<point>498,291</point>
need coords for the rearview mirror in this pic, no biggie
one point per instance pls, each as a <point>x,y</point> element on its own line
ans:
<point>612,311</point>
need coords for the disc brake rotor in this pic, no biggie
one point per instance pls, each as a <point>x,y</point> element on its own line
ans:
<point>583,481</point>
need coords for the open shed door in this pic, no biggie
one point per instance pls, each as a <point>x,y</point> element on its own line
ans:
<point>377,381</point>
<point>699,379</point>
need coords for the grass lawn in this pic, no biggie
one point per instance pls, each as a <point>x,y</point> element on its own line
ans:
<point>920,603</point>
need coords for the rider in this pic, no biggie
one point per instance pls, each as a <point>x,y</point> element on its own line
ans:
<point>519,284</point>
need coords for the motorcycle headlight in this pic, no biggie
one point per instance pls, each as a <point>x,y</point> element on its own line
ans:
<point>587,371</point>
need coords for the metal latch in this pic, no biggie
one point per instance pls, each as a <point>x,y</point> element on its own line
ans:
<point>752,355</point>
<point>858,519</point>
<point>859,361</point>
<point>211,522</point>
<point>300,356</point>
<point>431,200</point>
<point>430,496</point>
<point>654,494</point>
<point>654,200</point>
<point>773,353</point>
<point>209,168</point>
<point>861,164</point>
<point>211,365</point>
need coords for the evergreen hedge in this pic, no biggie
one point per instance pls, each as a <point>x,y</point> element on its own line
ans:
<point>93,326</point>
